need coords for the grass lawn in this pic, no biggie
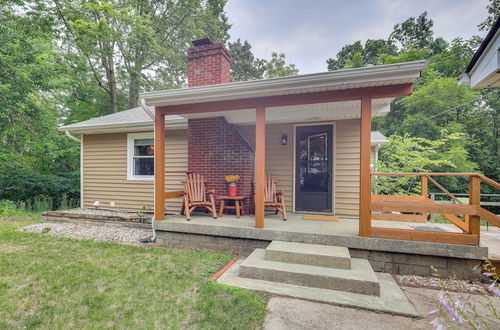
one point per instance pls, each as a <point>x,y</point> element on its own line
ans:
<point>49,282</point>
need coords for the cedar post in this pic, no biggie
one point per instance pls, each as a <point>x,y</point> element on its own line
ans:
<point>159,153</point>
<point>424,189</point>
<point>364,173</point>
<point>474,199</point>
<point>260,164</point>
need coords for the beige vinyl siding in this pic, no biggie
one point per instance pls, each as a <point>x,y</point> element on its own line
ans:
<point>347,167</point>
<point>105,172</point>
<point>279,162</point>
<point>279,158</point>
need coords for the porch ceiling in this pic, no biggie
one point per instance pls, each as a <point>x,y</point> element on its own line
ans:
<point>300,113</point>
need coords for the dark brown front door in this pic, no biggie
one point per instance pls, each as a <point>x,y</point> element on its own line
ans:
<point>313,168</point>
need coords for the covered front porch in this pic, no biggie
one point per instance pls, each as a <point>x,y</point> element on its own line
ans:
<point>326,99</point>
<point>320,99</point>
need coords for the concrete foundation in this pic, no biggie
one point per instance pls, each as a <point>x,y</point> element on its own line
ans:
<point>231,235</point>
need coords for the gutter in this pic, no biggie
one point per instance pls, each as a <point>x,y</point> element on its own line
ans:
<point>286,85</point>
<point>72,137</point>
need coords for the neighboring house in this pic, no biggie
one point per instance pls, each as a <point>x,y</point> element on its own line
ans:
<point>484,68</point>
<point>113,175</point>
<point>378,139</point>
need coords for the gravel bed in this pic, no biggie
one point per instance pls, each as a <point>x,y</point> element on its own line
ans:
<point>101,232</point>
<point>440,283</point>
<point>107,213</point>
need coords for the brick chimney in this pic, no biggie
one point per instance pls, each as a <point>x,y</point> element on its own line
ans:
<point>208,63</point>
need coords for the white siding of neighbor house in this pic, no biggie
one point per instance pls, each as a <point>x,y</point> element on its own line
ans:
<point>486,72</point>
<point>105,172</point>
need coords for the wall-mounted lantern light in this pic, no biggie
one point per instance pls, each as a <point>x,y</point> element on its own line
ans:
<point>284,139</point>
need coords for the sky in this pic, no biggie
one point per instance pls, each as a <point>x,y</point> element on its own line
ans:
<point>311,31</point>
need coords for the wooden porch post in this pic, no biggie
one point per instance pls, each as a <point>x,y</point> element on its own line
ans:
<point>364,173</point>
<point>474,199</point>
<point>424,190</point>
<point>159,153</point>
<point>260,164</point>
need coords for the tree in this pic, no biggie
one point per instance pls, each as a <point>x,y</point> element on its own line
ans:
<point>494,13</point>
<point>347,52</point>
<point>244,65</point>
<point>356,55</point>
<point>137,45</point>
<point>35,158</point>
<point>404,153</point>
<point>277,67</point>
<point>414,32</point>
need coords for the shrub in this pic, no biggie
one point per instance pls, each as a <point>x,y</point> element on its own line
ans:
<point>9,208</point>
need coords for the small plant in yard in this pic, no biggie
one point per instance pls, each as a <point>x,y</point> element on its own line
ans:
<point>45,230</point>
<point>462,311</point>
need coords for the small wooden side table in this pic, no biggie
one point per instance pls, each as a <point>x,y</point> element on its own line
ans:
<point>238,204</point>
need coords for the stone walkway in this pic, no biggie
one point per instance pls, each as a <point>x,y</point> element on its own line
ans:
<point>295,314</point>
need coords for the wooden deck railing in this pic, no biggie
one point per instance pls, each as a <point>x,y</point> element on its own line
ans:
<point>417,209</point>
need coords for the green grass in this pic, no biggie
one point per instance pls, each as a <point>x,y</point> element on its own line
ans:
<point>49,282</point>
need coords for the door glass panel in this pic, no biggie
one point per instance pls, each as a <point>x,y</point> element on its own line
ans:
<point>313,162</point>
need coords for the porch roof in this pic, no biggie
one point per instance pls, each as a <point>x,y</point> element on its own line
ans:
<point>373,76</point>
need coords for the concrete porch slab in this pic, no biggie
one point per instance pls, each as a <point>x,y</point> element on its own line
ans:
<point>392,300</point>
<point>343,233</point>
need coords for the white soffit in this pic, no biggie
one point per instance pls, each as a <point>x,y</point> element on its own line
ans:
<point>300,113</point>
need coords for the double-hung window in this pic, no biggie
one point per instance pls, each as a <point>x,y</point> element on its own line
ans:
<point>140,160</point>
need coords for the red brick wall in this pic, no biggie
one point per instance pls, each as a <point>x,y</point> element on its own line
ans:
<point>208,65</point>
<point>216,149</point>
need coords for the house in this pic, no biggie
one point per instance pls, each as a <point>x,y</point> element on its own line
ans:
<point>377,140</point>
<point>484,68</point>
<point>312,132</point>
<point>126,190</point>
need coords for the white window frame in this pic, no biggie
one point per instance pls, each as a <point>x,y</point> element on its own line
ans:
<point>131,137</point>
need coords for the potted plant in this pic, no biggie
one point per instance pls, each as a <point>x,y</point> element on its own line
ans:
<point>232,179</point>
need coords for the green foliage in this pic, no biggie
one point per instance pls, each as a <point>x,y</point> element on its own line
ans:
<point>9,208</point>
<point>494,13</point>
<point>404,153</point>
<point>124,47</point>
<point>414,32</point>
<point>35,158</point>
<point>356,55</point>
<point>277,67</point>
<point>244,65</point>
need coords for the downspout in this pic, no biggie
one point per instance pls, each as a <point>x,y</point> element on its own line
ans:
<point>151,239</point>
<point>146,109</point>
<point>72,137</point>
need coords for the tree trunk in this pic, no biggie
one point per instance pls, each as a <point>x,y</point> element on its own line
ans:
<point>109,66</point>
<point>133,93</point>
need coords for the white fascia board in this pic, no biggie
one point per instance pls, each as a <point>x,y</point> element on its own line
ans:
<point>123,127</point>
<point>285,85</point>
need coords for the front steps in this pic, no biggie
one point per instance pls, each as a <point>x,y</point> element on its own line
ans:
<point>359,279</point>
<point>319,273</point>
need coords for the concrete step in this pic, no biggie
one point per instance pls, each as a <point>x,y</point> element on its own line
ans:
<point>359,279</point>
<point>309,254</point>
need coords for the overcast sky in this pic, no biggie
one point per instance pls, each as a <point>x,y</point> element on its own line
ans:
<point>309,32</point>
